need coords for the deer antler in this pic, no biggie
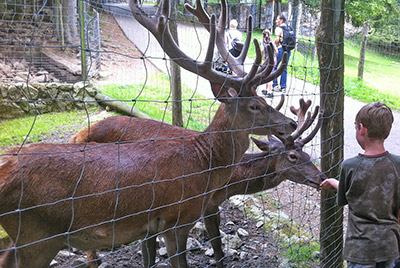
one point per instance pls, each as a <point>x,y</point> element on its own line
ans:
<point>304,122</point>
<point>236,63</point>
<point>280,104</point>
<point>259,74</point>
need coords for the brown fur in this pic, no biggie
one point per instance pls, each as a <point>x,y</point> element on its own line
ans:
<point>254,173</point>
<point>130,182</point>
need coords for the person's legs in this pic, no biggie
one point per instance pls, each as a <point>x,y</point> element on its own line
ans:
<point>385,264</point>
<point>278,60</point>
<point>357,265</point>
<point>284,74</point>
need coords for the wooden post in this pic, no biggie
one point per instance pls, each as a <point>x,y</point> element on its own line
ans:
<point>330,49</point>
<point>362,50</point>
<point>175,82</point>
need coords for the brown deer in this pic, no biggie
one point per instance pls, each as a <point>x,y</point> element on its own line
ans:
<point>255,172</point>
<point>91,196</point>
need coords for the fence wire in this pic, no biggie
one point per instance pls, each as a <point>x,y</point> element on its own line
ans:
<point>46,49</point>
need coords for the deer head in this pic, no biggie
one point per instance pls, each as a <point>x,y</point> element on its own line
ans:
<point>237,93</point>
<point>291,161</point>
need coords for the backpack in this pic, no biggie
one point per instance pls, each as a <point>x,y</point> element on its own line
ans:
<point>237,45</point>
<point>289,38</point>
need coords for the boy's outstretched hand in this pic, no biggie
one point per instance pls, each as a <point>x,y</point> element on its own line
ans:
<point>328,183</point>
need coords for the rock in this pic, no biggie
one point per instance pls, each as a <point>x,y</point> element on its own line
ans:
<point>14,93</point>
<point>199,228</point>
<point>78,262</point>
<point>230,252</point>
<point>163,252</point>
<point>209,252</point>
<point>105,265</point>
<point>232,241</point>
<point>243,255</point>
<point>229,223</point>
<point>193,244</point>
<point>53,263</point>
<point>242,233</point>
<point>66,253</point>
<point>259,224</point>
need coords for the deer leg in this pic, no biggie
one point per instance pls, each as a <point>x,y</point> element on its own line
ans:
<point>37,255</point>
<point>149,247</point>
<point>212,221</point>
<point>176,246</point>
<point>92,259</point>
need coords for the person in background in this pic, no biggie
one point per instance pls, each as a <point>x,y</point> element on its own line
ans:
<point>370,184</point>
<point>280,21</point>
<point>265,41</point>
<point>233,37</point>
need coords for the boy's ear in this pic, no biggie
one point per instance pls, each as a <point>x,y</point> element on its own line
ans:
<point>363,130</point>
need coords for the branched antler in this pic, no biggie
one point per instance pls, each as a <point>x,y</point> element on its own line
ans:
<point>305,120</point>
<point>246,82</point>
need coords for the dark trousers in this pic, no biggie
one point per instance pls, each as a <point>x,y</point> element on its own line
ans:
<point>284,74</point>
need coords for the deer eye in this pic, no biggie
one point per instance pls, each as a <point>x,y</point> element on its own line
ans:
<point>255,107</point>
<point>292,157</point>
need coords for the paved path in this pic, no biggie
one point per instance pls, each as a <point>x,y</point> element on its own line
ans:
<point>193,43</point>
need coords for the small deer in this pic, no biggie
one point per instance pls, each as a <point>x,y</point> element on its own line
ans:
<point>277,162</point>
<point>92,196</point>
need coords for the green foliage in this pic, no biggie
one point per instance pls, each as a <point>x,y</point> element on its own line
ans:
<point>360,11</point>
<point>301,255</point>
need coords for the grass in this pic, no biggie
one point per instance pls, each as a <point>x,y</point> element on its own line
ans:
<point>34,128</point>
<point>380,79</point>
<point>154,99</point>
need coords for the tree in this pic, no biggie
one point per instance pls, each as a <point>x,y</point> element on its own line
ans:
<point>66,21</point>
<point>363,13</point>
<point>330,48</point>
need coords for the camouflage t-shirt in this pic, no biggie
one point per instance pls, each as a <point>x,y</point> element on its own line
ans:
<point>370,185</point>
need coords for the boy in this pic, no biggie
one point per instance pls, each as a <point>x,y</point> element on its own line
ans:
<point>370,184</point>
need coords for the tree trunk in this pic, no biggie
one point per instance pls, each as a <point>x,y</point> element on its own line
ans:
<point>330,49</point>
<point>269,15</point>
<point>69,19</point>
<point>362,51</point>
<point>277,11</point>
<point>175,82</point>
<point>297,9</point>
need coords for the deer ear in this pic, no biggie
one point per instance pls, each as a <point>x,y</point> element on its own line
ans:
<point>263,145</point>
<point>223,94</point>
<point>268,146</point>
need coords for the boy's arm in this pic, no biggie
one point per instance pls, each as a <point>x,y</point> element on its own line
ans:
<point>326,184</point>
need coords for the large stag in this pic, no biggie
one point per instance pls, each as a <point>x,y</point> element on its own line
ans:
<point>256,172</point>
<point>91,196</point>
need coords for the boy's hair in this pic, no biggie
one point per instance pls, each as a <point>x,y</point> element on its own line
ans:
<point>377,118</point>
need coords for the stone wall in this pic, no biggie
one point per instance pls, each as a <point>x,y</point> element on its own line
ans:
<point>23,99</point>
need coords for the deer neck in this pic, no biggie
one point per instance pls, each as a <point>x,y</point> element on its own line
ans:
<point>255,173</point>
<point>227,138</point>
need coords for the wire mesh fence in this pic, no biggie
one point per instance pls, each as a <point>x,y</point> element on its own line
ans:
<point>146,185</point>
